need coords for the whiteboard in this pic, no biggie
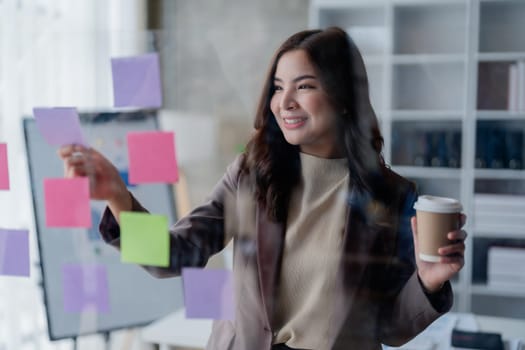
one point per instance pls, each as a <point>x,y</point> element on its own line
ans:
<point>135,297</point>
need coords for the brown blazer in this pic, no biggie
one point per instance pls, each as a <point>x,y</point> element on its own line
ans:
<point>380,298</point>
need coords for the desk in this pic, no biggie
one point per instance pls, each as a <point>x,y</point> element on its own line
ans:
<point>175,331</point>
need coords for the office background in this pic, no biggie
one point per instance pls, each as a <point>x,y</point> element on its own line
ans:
<point>446,85</point>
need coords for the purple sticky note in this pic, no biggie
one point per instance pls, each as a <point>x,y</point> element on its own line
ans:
<point>208,293</point>
<point>4,168</point>
<point>14,252</point>
<point>59,126</point>
<point>136,81</point>
<point>152,157</point>
<point>85,288</point>
<point>67,202</point>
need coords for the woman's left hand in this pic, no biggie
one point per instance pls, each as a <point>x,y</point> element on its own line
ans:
<point>434,275</point>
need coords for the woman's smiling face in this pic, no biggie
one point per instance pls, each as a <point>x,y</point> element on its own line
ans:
<point>302,108</point>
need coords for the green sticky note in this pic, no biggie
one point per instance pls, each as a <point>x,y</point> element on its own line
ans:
<point>144,239</point>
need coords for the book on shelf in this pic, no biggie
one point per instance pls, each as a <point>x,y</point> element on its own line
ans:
<point>496,203</point>
<point>516,87</point>
<point>516,254</point>
<point>499,213</point>
<point>505,267</point>
<point>513,88</point>
<point>503,218</point>
<point>521,85</point>
<point>509,286</point>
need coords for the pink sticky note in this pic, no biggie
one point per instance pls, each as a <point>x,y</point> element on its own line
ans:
<point>208,293</point>
<point>152,157</point>
<point>4,169</point>
<point>67,202</point>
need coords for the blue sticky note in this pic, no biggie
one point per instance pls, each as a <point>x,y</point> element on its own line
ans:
<point>208,293</point>
<point>59,125</point>
<point>136,81</point>
<point>14,252</point>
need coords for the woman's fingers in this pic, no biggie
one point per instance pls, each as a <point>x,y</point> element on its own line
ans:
<point>459,260</point>
<point>457,235</point>
<point>67,150</point>
<point>77,160</point>
<point>452,249</point>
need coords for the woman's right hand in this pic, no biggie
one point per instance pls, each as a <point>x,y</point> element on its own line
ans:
<point>105,182</point>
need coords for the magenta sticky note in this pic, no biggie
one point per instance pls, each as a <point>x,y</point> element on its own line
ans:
<point>59,125</point>
<point>152,157</point>
<point>136,81</point>
<point>14,252</point>
<point>67,202</point>
<point>85,287</point>
<point>4,167</point>
<point>208,293</point>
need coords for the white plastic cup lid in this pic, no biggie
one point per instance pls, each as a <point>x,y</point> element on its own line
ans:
<point>438,204</point>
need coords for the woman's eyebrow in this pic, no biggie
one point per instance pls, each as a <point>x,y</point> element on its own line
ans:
<point>295,80</point>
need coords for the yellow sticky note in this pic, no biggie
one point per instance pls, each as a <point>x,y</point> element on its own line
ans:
<point>144,239</point>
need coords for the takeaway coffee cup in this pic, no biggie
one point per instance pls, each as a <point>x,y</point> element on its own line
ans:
<point>436,216</point>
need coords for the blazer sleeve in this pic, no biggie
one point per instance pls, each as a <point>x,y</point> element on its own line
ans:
<point>412,309</point>
<point>195,237</point>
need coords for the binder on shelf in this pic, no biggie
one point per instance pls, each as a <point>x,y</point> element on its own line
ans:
<point>521,85</point>
<point>516,87</point>
<point>513,88</point>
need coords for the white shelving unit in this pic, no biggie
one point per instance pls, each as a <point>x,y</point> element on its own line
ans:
<point>439,79</point>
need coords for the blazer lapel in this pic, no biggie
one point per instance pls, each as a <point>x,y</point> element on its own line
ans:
<point>270,240</point>
<point>358,238</point>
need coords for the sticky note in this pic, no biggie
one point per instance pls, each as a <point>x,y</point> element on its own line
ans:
<point>85,287</point>
<point>152,157</point>
<point>136,81</point>
<point>208,293</point>
<point>4,167</point>
<point>14,252</point>
<point>67,202</point>
<point>59,126</point>
<point>144,239</point>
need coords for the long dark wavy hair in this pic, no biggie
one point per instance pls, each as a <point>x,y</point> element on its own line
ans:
<point>274,163</point>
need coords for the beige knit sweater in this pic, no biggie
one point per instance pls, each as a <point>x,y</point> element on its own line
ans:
<point>312,251</point>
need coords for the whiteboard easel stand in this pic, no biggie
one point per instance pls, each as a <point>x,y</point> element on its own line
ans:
<point>107,341</point>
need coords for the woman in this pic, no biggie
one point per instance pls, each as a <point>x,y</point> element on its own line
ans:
<point>323,253</point>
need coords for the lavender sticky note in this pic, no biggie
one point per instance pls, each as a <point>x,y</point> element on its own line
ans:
<point>136,81</point>
<point>4,167</point>
<point>59,126</point>
<point>152,157</point>
<point>208,293</point>
<point>67,202</point>
<point>14,252</point>
<point>85,288</point>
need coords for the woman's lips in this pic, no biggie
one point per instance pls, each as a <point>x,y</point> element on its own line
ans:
<point>293,122</point>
